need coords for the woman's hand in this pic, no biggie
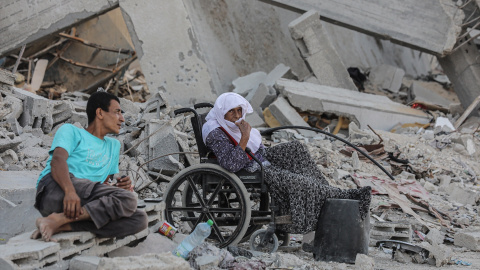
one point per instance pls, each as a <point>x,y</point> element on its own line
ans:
<point>245,129</point>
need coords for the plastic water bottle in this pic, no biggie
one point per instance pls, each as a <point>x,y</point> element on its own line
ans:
<point>201,232</point>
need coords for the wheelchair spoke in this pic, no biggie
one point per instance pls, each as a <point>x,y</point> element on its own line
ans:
<point>195,190</point>
<point>225,210</point>
<point>215,193</point>
<point>216,229</point>
<point>200,218</point>
<point>172,209</point>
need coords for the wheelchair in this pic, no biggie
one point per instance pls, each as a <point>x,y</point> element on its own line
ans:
<point>238,203</point>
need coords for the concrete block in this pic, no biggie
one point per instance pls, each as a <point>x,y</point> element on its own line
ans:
<point>84,263</point>
<point>418,93</point>
<point>37,153</point>
<point>470,240</point>
<point>165,261</point>
<point>15,106</point>
<point>288,116</point>
<point>79,117</point>
<point>263,97</point>
<point>205,262</point>
<point>374,19</point>
<point>255,120</point>
<point>244,85</point>
<point>162,142</point>
<point>30,254</point>
<point>316,49</point>
<point>182,139</point>
<point>6,77</point>
<point>18,188</point>
<point>7,143</point>
<point>441,254</point>
<point>390,231</point>
<point>37,111</point>
<point>106,245</point>
<point>179,73</point>
<point>435,237</point>
<point>129,106</point>
<point>364,262</point>
<point>280,71</point>
<point>467,142</point>
<point>74,242</point>
<point>62,111</point>
<point>462,195</point>
<point>365,109</point>
<point>387,77</point>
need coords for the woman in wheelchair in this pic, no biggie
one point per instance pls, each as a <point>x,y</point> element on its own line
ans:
<point>295,183</point>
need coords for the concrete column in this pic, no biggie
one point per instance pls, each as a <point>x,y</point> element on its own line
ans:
<point>463,69</point>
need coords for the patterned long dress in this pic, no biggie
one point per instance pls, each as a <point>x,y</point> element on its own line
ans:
<point>295,183</point>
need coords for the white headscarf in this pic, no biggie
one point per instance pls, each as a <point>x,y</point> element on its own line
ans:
<point>216,118</point>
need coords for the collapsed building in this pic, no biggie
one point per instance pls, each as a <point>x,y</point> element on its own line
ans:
<point>296,66</point>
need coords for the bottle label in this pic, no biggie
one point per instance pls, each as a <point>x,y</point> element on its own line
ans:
<point>181,251</point>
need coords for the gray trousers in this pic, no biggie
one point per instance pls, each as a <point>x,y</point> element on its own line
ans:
<point>113,211</point>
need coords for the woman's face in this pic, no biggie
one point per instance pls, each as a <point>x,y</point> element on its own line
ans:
<point>234,114</point>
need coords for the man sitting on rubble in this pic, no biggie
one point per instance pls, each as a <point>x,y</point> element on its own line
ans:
<point>70,194</point>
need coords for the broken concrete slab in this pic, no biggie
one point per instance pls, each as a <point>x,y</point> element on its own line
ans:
<point>7,143</point>
<point>179,72</point>
<point>463,195</point>
<point>387,77</point>
<point>30,254</point>
<point>364,262</point>
<point>37,110</point>
<point>418,93</point>
<point>246,84</point>
<point>148,261</point>
<point>288,116</point>
<point>34,21</point>
<point>390,231</point>
<point>280,71</point>
<point>373,18</point>
<point>264,95</point>
<point>321,56</point>
<point>18,189</point>
<point>462,69</point>
<point>468,239</point>
<point>255,120</point>
<point>162,142</point>
<point>365,109</point>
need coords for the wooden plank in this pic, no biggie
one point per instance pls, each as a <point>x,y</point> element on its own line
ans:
<point>38,74</point>
<point>467,112</point>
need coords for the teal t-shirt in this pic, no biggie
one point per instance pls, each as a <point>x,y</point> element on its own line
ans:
<point>89,157</point>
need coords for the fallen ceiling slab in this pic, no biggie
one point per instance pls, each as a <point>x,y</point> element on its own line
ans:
<point>365,109</point>
<point>24,21</point>
<point>430,26</point>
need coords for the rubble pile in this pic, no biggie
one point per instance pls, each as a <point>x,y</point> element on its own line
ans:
<point>423,131</point>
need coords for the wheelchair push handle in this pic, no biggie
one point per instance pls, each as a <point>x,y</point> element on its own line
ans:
<point>203,105</point>
<point>183,110</point>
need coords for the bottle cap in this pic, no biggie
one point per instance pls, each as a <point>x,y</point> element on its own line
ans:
<point>210,222</point>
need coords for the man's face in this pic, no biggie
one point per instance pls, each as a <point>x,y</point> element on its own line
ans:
<point>113,119</point>
<point>234,114</point>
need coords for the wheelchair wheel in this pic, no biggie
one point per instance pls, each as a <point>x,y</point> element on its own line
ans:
<point>256,239</point>
<point>209,192</point>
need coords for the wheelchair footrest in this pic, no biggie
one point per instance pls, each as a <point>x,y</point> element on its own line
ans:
<point>283,220</point>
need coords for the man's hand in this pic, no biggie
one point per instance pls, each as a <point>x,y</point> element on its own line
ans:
<point>71,205</point>
<point>124,182</point>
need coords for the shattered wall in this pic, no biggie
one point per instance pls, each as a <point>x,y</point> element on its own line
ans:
<point>24,21</point>
<point>238,38</point>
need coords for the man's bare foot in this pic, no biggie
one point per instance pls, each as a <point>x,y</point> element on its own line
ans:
<point>35,235</point>
<point>50,225</point>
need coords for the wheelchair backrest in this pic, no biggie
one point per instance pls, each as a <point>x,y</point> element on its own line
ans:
<point>197,123</point>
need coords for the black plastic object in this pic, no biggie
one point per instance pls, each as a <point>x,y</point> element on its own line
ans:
<point>341,233</point>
